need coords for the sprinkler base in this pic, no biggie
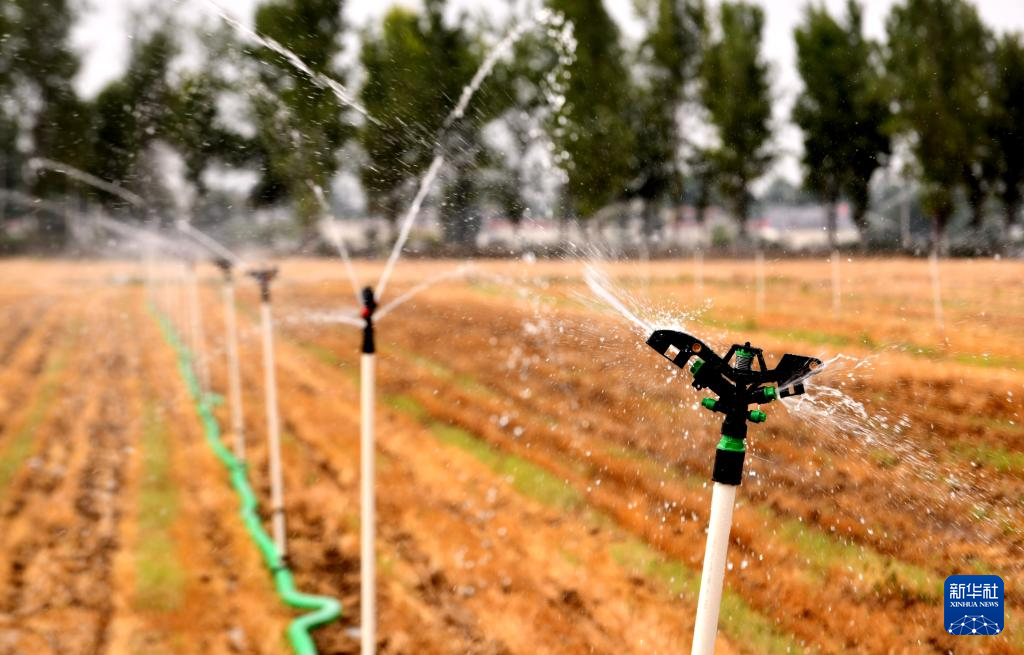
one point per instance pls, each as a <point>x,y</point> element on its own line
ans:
<point>728,466</point>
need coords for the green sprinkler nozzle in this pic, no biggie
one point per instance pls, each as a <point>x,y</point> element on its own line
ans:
<point>757,416</point>
<point>709,403</point>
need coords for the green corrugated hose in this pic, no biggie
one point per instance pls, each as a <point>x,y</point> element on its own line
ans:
<point>324,609</point>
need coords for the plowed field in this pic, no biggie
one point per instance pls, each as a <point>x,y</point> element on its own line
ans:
<point>542,475</point>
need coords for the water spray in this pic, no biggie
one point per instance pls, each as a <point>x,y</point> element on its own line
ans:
<point>264,276</point>
<point>368,560</point>
<point>231,339</point>
<point>738,385</point>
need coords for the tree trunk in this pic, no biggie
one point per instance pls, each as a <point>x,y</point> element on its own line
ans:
<point>832,225</point>
<point>652,221</point>
<point>940,240</point>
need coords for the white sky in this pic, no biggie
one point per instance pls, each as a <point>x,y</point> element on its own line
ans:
<point>103,36</point>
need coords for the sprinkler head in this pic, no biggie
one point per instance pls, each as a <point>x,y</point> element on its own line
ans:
<point>369,303</point>
<point>739,379</point>
<point>369,307</point>
<point>738,384</point>
<point>225,266</point>
<point>264,276</point>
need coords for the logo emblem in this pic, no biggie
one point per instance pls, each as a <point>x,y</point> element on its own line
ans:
<point>974,605</point>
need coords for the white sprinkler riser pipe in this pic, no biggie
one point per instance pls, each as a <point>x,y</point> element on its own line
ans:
<point>837,299</point>
<point>273,431</point>
<point>234,377</point>
<point>723,498</point>
<point>368,560</point>
<point>198,334</point>
<point>759,273</point>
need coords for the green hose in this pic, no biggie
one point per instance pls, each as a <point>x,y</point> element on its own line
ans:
<point>323,609</point>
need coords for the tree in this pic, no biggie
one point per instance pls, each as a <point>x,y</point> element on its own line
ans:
<point>670,57</point>
<point>735,90</point>
<point>597,136</point>
<point>416,69</point>
<point>841,110</point>
<point>134,111</point>
<point>936,59</point>
<point>311,29</point>
<point>1007,123</point>
<point>37,68</point>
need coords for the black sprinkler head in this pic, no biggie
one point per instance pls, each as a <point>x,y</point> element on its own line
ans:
<point>225,266</point>
<point>369,303</point>
<point>264,276</point>
<point>738,385</point>
<point>369,307</point>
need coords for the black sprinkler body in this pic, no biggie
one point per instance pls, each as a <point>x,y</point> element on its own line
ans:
<point>225,266</point>
<point>738,385</point>
<point>369,307</point>
<point>264,276</point>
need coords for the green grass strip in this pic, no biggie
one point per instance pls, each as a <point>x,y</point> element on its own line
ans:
<point>160,581</point>
<point>739,620</point>
<point>322,609</point>
<point>21,446</point>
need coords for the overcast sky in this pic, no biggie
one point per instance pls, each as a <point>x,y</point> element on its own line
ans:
<point>102,38</point>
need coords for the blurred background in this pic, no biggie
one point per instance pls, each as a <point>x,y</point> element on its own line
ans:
<point>658,126</point>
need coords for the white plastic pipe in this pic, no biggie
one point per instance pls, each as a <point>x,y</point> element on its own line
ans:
<point>234,378</point>
<point>759,273</point>
<point>933,267</point>
<point>698,276</point>
<point>723,498</point>
<point>368,561</point>
<point>198,334</point>
<point>273,430</point>
<point>837,300</point>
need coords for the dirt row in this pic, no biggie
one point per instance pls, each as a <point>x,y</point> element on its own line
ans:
<point>71,551</point>
<point>641,499</point>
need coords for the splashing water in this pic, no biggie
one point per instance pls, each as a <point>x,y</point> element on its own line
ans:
<point>600,285</point>
<point>544,17</point>
<point>32,201</point>
<point>208,242</point>
<point>336,238</point>
<point>41,163</point>
<point>423,286</point>
<point>344,316</point>
<point>407,222</point>
<point>323,81</point>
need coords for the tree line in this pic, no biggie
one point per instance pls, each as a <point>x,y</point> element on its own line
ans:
<point>684,116</point>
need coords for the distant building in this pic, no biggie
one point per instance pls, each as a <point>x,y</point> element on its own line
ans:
<point>802,227</point>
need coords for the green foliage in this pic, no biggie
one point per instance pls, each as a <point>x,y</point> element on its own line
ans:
<point>597,138</point>
<point>416,67</point>
<point>195,131</point>
<point>1006,126</point>
<point>670,56</point>
<point>305,148</point>
<point>133,111</point>
<point>160,578</point>
<point>735,90</point>
<point>37,67</point>
<point>841,111</point>
<point>936,59</point>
